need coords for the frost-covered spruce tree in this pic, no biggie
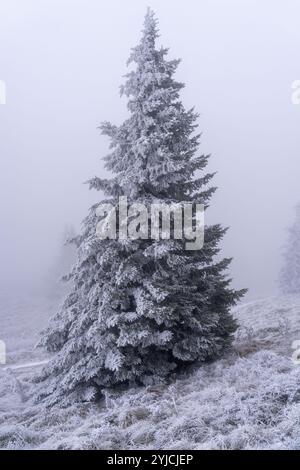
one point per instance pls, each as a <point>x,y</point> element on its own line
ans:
<point>143,309</point>
<point>289,280</point>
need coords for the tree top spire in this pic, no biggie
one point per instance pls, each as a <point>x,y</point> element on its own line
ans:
<point>150,31</point>
<point>150,21</point>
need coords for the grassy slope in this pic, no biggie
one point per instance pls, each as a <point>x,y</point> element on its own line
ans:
<point>249,399</point>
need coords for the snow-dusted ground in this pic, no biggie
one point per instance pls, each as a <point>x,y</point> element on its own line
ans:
<point>21,320</point>
<point>248,400</point>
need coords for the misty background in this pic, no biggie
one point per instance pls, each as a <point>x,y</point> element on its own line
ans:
<point>63,62</point>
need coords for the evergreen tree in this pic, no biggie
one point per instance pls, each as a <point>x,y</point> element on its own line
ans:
<point>289,280</point>
<point>55,287</point>
<point>141,309</point>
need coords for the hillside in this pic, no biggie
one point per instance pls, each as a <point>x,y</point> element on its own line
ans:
<point>250,399</point>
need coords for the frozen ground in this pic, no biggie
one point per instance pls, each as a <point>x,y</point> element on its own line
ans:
<point>248,400</point>
<point>21,320</point>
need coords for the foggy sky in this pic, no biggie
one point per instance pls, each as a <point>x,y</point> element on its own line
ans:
<point>63,62</point>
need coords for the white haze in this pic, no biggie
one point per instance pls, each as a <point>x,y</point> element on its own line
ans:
<point>63,62</point>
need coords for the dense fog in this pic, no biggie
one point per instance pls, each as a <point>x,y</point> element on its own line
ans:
<point>63,63</point>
